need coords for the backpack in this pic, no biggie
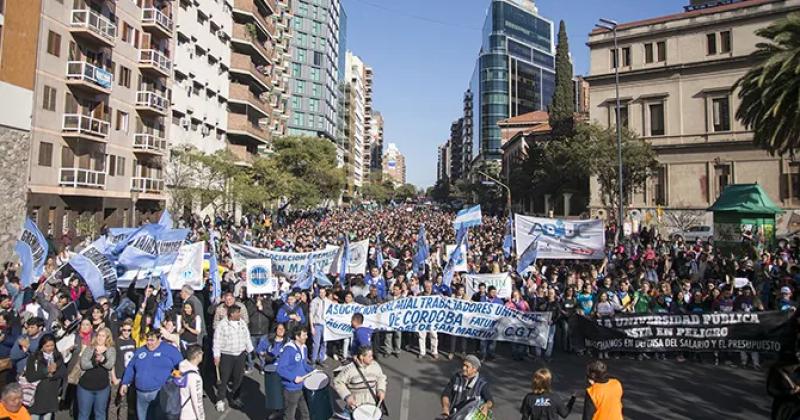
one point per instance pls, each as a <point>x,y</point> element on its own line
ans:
<point>169,398</point>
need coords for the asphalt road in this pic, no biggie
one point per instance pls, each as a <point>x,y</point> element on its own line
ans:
<point>653,389</point>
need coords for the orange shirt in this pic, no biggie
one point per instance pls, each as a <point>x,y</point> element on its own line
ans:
<point>607,399</point>
<point>22,414</point>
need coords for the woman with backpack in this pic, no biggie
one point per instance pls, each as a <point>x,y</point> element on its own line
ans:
<point>192,392</point>
<point>46,367</point>
<point>94,386</point>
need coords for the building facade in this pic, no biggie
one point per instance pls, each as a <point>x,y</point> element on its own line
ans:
<point>368,129</point>
<point>19,30</point>
<point>677,75</point>
<point>456,145</point>
<point>103,73</point>
<point>376,148</point>
<point>443,165</point>
<point>394,165</point>
<point>514,73</point>
<point>315,68</point>
<point>354,119</point>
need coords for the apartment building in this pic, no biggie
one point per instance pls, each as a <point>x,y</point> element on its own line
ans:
<point>394,165</point>
<point>357,155</point>
<point>281,75</point>
<point>369,77</point>
<point>677,74</point>
<point>19,29</point>
<point>201,74</point>
<point>99,129</point>
<point>376,149</point>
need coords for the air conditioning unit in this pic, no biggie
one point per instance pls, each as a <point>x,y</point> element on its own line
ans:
<point>205,130</point>
<point>185,122</point>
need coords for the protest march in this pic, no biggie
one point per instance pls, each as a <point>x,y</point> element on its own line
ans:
<point>145,322</point>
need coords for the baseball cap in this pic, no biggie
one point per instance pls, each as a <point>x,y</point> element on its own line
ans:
<point>785,290</point>
<point>474,361</point>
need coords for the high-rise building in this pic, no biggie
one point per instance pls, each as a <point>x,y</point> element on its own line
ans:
<point>251,110</point>
<point>202,65</point>
<point>19,32</point>
<point>394,165</point>
<point>281,94</point>
<point>354,117</point>
<point>677,77</point>
<point>103,73</point>
<point>456,149</point>
<point>514,73</point>
<point>376,147</point>
<point>368,130</point>
<point>315,68</point>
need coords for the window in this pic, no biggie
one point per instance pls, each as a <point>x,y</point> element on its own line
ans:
<point>45,154</point>
<point>122,121</point>
<point>302,9</point>
<point>302,39</point>
<point>660,186</point>
<point>300,87</point>
<point>67,157</point>
<point>725,42</point>
<point>614,57</point>
<point>711,44</point>
<point>54,43</point>
<point>313,105</point>
<point>316,88</point>
<point>124,76</point>
<point>791,182</point>
<point>120,166</point>
<point>722,173</point>
<point>316,28</point>
<point>315,74</point>
<point>112,165</point>
<point>296,70</point>
<point>623,114</point>
<point>657,119</point>
<point>296,102</point>
<point>299,119</point>
<point>301,55</point>
<point>626,57</point>
<point>662,51</point>
<point>298,24</point>
<point>648,53</point>
<point>722,114</point>
<point>318,58</point>
<point>49,99</point>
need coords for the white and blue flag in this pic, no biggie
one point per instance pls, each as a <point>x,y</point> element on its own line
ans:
<point>96,269</point>
<point>32,250</point>
<point>468,217</point>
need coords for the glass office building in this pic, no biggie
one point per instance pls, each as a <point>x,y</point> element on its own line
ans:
<point>514,74</point>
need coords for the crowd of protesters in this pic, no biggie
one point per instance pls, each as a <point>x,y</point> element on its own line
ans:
<point>108,358</point>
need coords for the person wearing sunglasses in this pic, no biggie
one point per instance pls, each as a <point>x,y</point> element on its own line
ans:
<point>125,346</point>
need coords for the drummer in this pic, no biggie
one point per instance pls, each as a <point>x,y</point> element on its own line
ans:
<point>293,367</point>
<point>358,388</point>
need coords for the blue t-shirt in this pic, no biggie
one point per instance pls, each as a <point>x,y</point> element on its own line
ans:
<point>150,369</point>
<point>586,302</point>
<point>362,337</point>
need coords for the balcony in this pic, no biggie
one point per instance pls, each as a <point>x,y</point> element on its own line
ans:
<point>85,127</point>
<point>156,23</point>
<point>240,125</point>
<point>148,102</point>
<point>149,144</point>
<point>241,155</point>
<point>155,62</point>
<point>147,185</point>
<point>92,27</point>
<point>241,63</point>
<point>89,78</point>
<point>249,9</point>
<point>241,37</point>
<point>239,93</point>
<point>81,178</point>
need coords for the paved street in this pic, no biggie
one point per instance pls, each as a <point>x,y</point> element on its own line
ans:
<point>653,389</point>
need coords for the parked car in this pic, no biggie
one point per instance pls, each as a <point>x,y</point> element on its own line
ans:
<point>692,234</point>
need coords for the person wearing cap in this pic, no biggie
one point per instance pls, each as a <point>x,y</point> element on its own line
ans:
<point>786,303</point>
<point>603,400</point>
<point>465,388</point>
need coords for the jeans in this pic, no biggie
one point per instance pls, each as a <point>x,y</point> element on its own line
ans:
<point>551,332</point>
<point>318,352</point>
<point>146,401</point>
<point>518,351</point>
<point>92,401</point>
<point>487,348</point>
<point>434,343</point>
<point>563,332</point>
<point>293,401</point>
<point>392,341</point>
<point>458,343</point>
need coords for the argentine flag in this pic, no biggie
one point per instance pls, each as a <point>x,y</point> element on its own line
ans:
<point>468,218</point>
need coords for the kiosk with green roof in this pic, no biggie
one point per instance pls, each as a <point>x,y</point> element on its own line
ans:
<point>744,208</point>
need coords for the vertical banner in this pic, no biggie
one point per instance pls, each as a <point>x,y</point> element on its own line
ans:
<point>188,268</point>
<point>461,263</point>
<point>357,264</point>
<point>560,238</point>
<point>502,282</point>
<point>259,277</point>
<point>31,248</point>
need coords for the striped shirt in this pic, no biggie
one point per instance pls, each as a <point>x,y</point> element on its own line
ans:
<point>232,338</point>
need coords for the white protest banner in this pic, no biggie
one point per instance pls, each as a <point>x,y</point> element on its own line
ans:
<point>561,239</point>
<point>187,269</point>
<point>288,264</point>
<point>259,277</point>
<point>502,282</point>
<point>461,264</point>
<point>358,258</point>
<point>479,320</point>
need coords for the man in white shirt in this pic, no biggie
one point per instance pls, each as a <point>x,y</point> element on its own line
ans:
<point>192,393</point>
<point>230,348</point>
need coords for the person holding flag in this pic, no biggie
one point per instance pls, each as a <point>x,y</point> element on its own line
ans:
<point>508,240</point>
<point>423,252</point>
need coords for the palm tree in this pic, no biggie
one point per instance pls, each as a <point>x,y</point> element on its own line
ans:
<point>770,92</point>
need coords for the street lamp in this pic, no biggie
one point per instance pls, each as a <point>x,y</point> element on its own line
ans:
<point>496,181</point>
<point>611,25</point>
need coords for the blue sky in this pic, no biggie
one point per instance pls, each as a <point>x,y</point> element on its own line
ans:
<point>423,53</point>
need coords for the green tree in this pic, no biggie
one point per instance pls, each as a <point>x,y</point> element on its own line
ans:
<point>405,191</point>
<point>770,91</point>
<point>377,192</point>
<point>310,164</point>
<point>593,150</point>
<point>441,191</point>
<point>562,108</point>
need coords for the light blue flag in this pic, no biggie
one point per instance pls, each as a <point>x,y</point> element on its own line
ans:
<point>455,256</point>
<point>97,270</point>
<point>468,217</point>
<point>152,245</point>
<point>508,240</point>
<point>216,291</point>
<point>165,219</point>
<point>31,248</point>
<point>529,256</point>
<point>306,277</point>
<point>423,252</point>
<point>165,304</point>
<point>345,261</point>
<point>378,252</point>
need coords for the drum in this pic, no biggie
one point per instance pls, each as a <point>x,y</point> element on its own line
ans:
<point>367,412</point>
<point>316,389</point>
<point>273,388</point>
